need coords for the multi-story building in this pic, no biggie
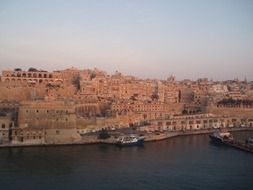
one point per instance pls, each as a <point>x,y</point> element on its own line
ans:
<point>31,77</point>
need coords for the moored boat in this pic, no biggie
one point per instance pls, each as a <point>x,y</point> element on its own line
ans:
<point>249,142</point>
<point>221,136</point>
<point>130,140</point>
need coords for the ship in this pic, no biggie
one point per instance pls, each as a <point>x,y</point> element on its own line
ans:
<point>221,137</point>
<point>225,138</point>
<point>130,140</point>
<point>249,142</point>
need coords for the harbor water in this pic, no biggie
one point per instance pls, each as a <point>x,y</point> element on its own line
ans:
<point>186,162</point>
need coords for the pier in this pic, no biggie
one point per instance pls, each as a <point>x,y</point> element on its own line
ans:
<point>238,145</point>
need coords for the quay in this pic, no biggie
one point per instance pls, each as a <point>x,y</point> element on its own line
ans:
<point>240,146</point>
<point>92,138</point>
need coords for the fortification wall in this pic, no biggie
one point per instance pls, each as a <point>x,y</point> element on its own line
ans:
<point>19,93</point>
<point>46,115</point>
<point>57,136</point>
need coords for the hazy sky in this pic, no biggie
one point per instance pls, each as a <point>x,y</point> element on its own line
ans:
<point>190,39</point>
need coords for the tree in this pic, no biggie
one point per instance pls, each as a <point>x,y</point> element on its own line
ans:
<point>155,96</point>
<point>104,107</point>
<point>184,112</point>
<point>103,134</point>
<point>31,69</point>
<point>77,82</point>
<point>92,75</point>
<point>17,69</point>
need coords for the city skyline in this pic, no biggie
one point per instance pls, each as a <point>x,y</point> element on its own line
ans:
<point>146,39</point>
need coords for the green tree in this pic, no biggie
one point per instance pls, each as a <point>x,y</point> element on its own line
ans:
<point>31,69</point>
<point>103,134</point>
<point>77,82</point>
<point>92,75</point>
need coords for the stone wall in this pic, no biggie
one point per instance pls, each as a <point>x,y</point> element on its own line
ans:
<point>58,136</point>
<point>20,93</point>
<point>242,112</point>
<point>5,124</point>
<point>46,115</point>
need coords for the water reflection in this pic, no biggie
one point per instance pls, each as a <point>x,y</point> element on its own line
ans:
<point>178,163</point>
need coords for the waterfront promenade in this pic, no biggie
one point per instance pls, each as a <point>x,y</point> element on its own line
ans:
<point>92,138</point>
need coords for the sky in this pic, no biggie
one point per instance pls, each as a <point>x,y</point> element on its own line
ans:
<point>145,38</point>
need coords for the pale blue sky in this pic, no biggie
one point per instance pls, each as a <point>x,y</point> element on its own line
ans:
<point>151,39</point>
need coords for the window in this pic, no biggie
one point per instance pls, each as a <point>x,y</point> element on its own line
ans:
<point>3,125</point>
<point>57,132</point>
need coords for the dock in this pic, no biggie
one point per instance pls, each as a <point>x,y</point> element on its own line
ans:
<point>240,146</point>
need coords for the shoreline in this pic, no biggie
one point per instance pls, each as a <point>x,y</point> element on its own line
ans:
<point>195,132</point>
<point>148,138</point>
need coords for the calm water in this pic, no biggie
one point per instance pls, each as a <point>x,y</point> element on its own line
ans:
<point>189,162</point>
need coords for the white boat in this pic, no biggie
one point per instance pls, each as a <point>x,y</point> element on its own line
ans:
<point>130,140</point>
<point>221,136</point>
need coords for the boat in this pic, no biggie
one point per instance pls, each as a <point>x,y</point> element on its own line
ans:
<point>130,140</point>
<point>225,138</point>
<point>221,137</point>
<point>249,142</point>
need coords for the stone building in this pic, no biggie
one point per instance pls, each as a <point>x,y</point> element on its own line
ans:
<point>45,122</point>
<point>32,77</point>
<point>87,109</point>
<point>52,114</point>
<point>6,124</point>
<point>201,121</point>
<point>149,110</point>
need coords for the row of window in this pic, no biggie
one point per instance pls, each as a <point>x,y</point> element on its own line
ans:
<point>3,126</point>
<point>45,119</point>
<point>200,121</point>
<point>35,75</point>
<point>47,111</point>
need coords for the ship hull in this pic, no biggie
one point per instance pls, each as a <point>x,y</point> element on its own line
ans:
<point>215,139</point>
<point>140,142</point>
